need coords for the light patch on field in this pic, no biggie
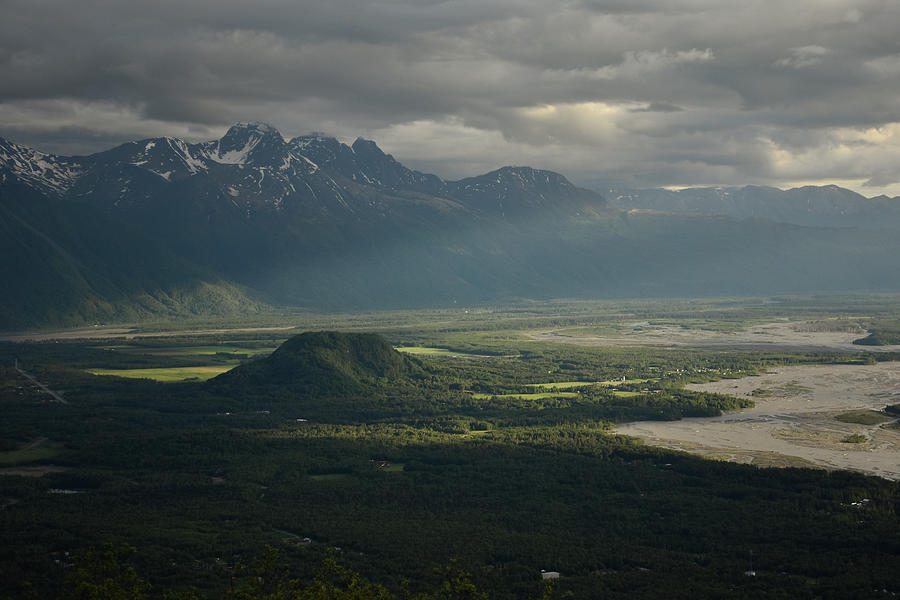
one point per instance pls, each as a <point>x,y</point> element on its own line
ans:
<point>191,350</point>
<point>429,351</point>
<point>168,375</point>
<point>32,471</point>
<point>571,385</point>
<point>563,385</point>
<point>424,350</point>
<point>622,381</point>
<point>534,396</point>
<point>42,450</point>
<point>864,417</point>
<point>392,467</point>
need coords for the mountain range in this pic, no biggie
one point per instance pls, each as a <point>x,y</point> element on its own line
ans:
<point>812,206</point>
<point>161,228</point>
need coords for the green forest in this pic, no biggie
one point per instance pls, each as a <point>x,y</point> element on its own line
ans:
<point>330,465</point>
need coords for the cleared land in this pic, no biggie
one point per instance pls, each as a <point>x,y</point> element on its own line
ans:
<point>795,420</point>
<point>560,389</point>
<point>533,396</point>
<point>167,375</point>
<point>206,351</point>
<point>570,385</point>
<point>32,471</point>
<point>429,351</point>
<point>39,449</point>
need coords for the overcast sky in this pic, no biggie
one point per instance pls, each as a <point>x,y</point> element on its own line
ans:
<point>631,92</point>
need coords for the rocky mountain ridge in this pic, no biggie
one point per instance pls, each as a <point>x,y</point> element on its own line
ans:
<point>162,227</point>
<point>254,167</point>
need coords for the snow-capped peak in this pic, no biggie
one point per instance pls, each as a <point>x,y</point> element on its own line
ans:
<point>259,126</point>
<point>247,142</point>
<point>53,174</point>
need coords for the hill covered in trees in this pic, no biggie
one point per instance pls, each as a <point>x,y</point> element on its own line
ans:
<point>325,363</point>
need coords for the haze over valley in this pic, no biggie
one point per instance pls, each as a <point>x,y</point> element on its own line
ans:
<point>161,228</point>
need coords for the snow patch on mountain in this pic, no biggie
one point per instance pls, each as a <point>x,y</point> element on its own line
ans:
<point>46,172</point>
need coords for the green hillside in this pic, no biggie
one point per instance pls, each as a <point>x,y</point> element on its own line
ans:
<point>324,363</point>
<point>67,264</point>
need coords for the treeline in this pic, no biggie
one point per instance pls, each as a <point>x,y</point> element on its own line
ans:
<point>107,573</point>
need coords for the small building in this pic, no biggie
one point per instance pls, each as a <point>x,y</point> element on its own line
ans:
<point>549,574</point>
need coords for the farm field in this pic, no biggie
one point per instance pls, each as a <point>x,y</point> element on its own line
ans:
<point>528,396</point>
<point>166,375</point>
<point>427,351</point>
<point>40,449</point>
<point>223,350</point>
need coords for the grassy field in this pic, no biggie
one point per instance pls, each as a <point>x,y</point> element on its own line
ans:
<point>570,385</point>
<point>782,390</point>
<point>863,417</point>
<point>167,375</point>
<point>534,396</point>
<point>431,351</point>
<point>392,467</point>
<point>420,350</point>
<point>564,385</point>
<point>31,453</point>
<point>164,350</point>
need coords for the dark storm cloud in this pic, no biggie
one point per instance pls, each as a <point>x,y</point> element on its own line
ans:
<point>677,92</point>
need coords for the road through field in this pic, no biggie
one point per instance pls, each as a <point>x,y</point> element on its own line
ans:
<point>55,395</point>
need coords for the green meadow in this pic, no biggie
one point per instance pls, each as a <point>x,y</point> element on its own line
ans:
<point>863,417</point>
<point>563,385</point>
<point>430,351</point>
<point>532,396</point>
<point>209,350</point>
<point>570,385</point>
<point>416,350</point>
<point>31,453</point>
<point>167,375</point>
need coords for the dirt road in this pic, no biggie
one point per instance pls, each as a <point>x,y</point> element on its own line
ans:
<point>55,395</point>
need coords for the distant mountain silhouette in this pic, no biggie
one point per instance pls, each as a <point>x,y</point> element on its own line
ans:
<point>812,206</point>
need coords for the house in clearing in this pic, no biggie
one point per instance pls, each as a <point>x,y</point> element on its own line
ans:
<point>549,574</point>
